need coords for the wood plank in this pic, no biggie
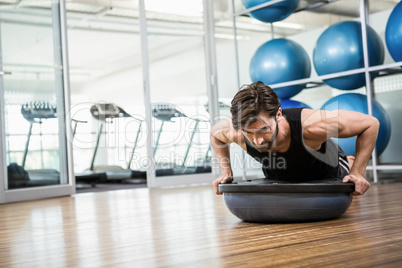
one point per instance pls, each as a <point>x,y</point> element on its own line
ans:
<point>191,227</point>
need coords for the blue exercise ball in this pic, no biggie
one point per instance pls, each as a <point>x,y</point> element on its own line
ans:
<point>285,104</point>
<point>280,60</point>
<point>339,48</point>
<point>393,33</point>
<point>358,103</point>
<point>275,12</point>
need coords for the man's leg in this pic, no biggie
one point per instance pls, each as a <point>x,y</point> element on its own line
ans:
<point>351,160</point>
<point>343,165</point>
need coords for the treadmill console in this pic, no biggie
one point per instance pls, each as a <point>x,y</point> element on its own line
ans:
<point>165,111</point>
<point>35,111</point>
<point>105,110</point>
<point>222,106</point>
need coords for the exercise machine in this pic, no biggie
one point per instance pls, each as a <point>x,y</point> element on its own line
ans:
<point>107,113</point>
<point>87,178</point>
<point>224,109</point>
<point>166,113</point>
<point>278,201</point>
<point>34,112</point>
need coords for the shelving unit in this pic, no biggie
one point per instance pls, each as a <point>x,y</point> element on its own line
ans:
<point>363,11</point>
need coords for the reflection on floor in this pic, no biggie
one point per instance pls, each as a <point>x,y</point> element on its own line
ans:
<point>104,187</point>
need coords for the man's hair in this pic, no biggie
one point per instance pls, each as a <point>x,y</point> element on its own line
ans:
<point>250,101</point>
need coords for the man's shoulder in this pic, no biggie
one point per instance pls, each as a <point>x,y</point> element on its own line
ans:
<point>224,129</point>
<point>305,113</point>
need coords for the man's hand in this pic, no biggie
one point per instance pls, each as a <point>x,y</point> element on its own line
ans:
<point>361,184</point>
<point>221,180</point>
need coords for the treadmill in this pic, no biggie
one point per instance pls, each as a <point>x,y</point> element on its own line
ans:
<point>165,113</point>
<point>206,162</point>
<point>107,113</point>
<point>205,165</point>
<point>34,112</point>
<point>86,178</point>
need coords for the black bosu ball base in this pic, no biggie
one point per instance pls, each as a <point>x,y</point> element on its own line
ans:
<point>270,201</point>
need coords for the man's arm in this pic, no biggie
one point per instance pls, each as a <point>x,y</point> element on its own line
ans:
<point>318,126</point>
<point>222,135</point>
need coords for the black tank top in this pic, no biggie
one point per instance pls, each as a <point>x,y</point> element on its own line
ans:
<point>299,162</point>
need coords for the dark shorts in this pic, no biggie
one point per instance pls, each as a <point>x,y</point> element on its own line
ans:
<point>343,165</point>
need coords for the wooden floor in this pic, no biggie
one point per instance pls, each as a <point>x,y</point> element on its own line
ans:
<point>191,227</point>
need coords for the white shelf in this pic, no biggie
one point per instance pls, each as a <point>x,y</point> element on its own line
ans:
<point>385,167</point>
<point>336,75</point>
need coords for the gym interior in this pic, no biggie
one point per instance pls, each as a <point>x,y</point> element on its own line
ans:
<point>106,113</point>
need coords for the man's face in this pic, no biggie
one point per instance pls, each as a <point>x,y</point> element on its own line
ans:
<point>262,133</point>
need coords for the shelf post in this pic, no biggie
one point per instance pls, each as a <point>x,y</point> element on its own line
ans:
<point>369,86</point>
<point>243,155</point>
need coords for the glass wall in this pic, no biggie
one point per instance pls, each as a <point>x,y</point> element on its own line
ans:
<point>107,92</point>
<point>32,94</point>
<point>180,125</point>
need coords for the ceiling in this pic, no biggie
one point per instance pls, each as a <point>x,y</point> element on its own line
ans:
<point>310,14</point>
<point>172,19</point>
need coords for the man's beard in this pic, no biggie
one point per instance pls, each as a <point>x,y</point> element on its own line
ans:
<point>268,145</point>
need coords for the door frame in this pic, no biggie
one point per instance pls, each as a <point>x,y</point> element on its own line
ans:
<point>65,133</point>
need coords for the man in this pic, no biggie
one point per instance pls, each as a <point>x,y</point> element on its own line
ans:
<point>293,144</point>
